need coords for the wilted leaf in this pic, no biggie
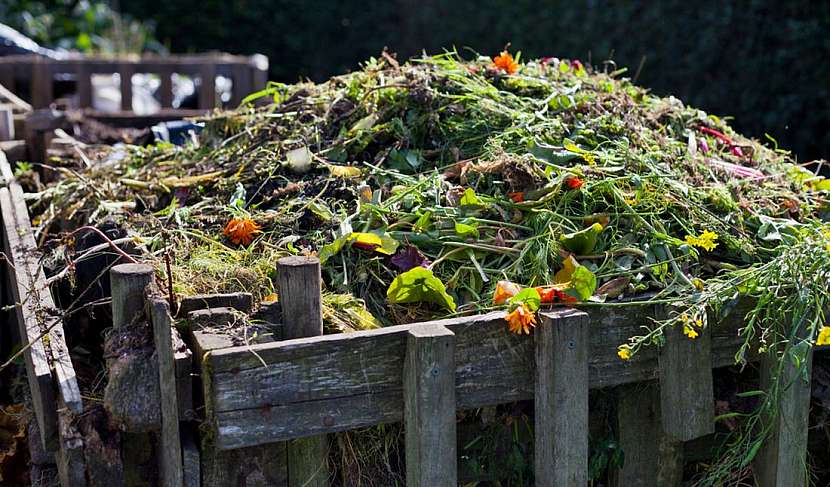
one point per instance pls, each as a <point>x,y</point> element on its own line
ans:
<point>409,257</point>
<point>470,199</point>
<point>464,230</point>
<point>346,172</point>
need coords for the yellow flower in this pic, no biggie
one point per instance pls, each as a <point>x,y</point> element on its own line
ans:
<point>698,283</point>
<point>624,352</point>
<point>521,320</point>
<point>824,336</point>
<point>705,241</point>
<point>690,332</point>
<point>504,291</point>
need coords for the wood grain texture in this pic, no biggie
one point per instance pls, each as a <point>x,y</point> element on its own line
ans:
<point>239,301</point>
<point>686,391</point>
<point>354,380</point>
<point>41,301</point>
<point>650,458</point>
<point>561,399</point>
<point>429,407</point>
<point>782,460</point>
<point>299,286</point>
<point>38,372</point>
<point>170,454</point>
<point>128,282</point>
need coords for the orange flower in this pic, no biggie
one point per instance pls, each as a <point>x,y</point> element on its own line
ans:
<point>241,230</point>
<point>504,291</point>
<point>518,196</point>
<point>505,62</point>
<point>554,294</point>
<point>521,320</point>
<point>574,182</point>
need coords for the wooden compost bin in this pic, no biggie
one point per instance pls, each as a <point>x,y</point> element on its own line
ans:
<point>271,405</point>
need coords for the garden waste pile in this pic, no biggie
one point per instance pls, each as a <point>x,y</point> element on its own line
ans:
<point>445,186</point>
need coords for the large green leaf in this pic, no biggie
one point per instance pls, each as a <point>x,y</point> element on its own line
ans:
<point>583,284</point>
<point>419,285</point>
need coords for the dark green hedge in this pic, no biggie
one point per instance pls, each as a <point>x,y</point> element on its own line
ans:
<point>767,63</point>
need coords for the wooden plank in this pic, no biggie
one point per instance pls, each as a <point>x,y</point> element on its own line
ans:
<point>15,150</point>
<point>183,359</point>
<point>362,372</point>
<point>128,282</point>
<point>191,470</point>
<point>686,391</point>
<point>242,84</point>
<point>27,261</point>
<point>651,459</point>
<point>299,285</point>
<point>70,455</point>
<point>782,460</point>
<point>166,87</point>
<point>125,73</point>
<point>207,87</point>
<point>37,365</point>
<point>170,456</point>
<point>6,123</point>
<point>240,301</point>
<point>41,83</point>
<point>561,399</point>
<point>83,82</point>
<point>429,407</point>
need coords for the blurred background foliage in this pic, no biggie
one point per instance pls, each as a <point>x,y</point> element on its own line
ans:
<point>764,62</point>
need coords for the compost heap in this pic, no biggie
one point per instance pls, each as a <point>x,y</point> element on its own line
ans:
<point>446,186</point>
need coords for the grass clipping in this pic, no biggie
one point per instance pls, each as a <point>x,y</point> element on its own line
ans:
<point>481,173</point>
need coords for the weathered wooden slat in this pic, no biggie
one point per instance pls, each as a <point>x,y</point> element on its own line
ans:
<point>686,391</point>
<point>782,460</point>
<point>83,82</point>
<point>125,74</point>
<point>41,83</point>
<point>429,407</point>
<point>651,458</point>
<point>61,363</point>
<point>37,363</point>
<point>561,399</point>
<point>299,284</point>
<point>353,380</point>
<point>207,88</point>
<point>166,87</point>
<point>242,83</point>
<point>191,471</point>
<point>170,454</point>
<point>183,360</point>
<point>239,301</point>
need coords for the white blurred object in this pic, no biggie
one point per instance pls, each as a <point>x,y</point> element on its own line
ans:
<point>106,92</point>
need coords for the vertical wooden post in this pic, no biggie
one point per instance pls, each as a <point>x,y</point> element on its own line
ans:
<point>561,395</point>
<point>207,88</point>
<point>83,82</point>
<point>166,87</point>
<point>782,461</point>
<point>170,456</point>
<point>128,282</point>
<point>125,72</point>
<point>6,123</point>
<point>41,83</point>
<point>651,459</point>
<point>429,407</point>
<point>686,392</point>
<point>241,83</point>
<point>299,289</point>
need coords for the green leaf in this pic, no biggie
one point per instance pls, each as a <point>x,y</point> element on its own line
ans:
<point>330,250</point>
<point>424,223</point>
<point>470,198</point>
<point>419,285</point>
<point>464,230</point>
<point>583,284</point>
<point>320,209</point>
<point>529,297</point>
